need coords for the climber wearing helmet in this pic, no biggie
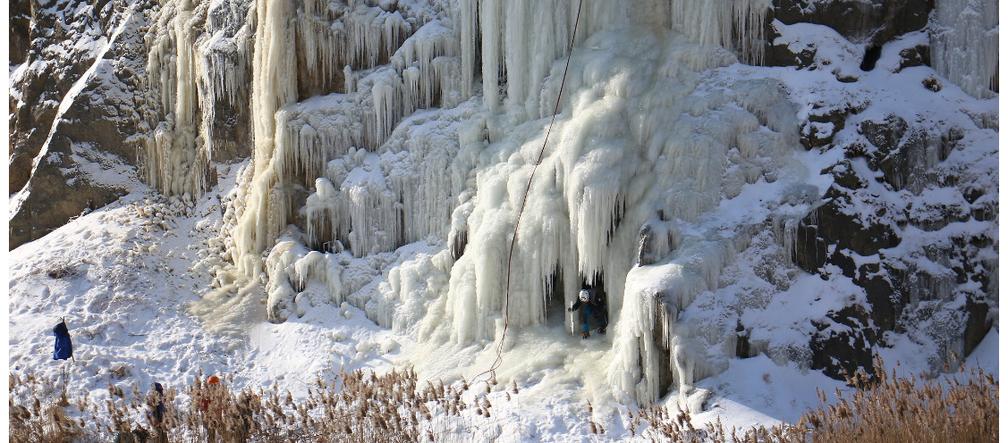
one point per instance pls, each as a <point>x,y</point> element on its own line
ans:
<point>590,307</point>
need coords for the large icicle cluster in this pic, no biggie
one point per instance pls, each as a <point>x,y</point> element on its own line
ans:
<point>510,53</point>
<point>641,139</point>
<point>189,71</point>
<point>964,44</point>
<point>636,142</point>
<point>386,71</point>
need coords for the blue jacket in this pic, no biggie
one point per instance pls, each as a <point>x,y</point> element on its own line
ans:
<point>64,347</point>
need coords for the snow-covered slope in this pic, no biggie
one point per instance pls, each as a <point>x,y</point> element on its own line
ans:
<point>752,228</point>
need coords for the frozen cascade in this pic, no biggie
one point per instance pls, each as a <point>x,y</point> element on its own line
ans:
<point>642,134</point>
<point>272,88</point>
<point>196,58</point>
<point>292,270</point>
<point>635,138</point>
<point>964,44</point>
<point>654,298</point>
<point>294,141</point>
<point>175,162</point>
<point>334,35</point>
<point>423,65</point>
<point>376,202</point>
<point>523,57</point>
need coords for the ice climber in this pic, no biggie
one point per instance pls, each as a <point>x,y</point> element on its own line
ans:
<point>590,307</point>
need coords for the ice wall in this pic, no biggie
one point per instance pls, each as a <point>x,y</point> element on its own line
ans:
<point>302,49</point>
<point>196,62</point>
<point>640,134</point>
<point>964,44</point>
<point>344,164</point>
<point>514,55</point>
<point>388,67</point>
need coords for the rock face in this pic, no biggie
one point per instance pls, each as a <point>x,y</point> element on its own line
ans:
<point>873,22</point>
<point>895,181</point>
<point>20,22</point>
<point>75,121</point>
<point>889,185</point>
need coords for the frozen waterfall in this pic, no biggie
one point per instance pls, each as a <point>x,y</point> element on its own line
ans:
<point>374,129</point>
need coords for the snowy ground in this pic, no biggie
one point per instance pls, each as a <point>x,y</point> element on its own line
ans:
<point>121,276</point>
<point>122,283</point>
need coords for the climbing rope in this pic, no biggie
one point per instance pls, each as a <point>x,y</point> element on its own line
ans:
<point>521,209</point>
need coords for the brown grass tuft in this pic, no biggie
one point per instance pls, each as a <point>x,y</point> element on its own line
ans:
<point>880,410</point>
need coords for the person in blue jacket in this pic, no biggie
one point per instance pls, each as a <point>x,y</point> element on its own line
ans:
<point>590,307</point>
<point>64,346</point>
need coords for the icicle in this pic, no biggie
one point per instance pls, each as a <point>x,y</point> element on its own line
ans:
<point>195,60</point>
<point>175,159</point>
<point>273,86</point>
<point>964,44</point>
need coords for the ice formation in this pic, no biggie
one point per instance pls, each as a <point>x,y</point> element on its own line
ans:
<point>189,70</point>
<point>511,54</point>
<point>345,161</point>
<point>964,44</point>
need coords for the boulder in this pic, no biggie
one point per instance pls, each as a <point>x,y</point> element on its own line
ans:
<point>919,55</point>
<point>782,54</point>
<point>978,323</point>
<point>835,223</point>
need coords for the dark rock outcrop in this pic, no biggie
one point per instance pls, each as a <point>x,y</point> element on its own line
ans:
<point>919,55</point>
<point>838,223</point>
<point>60,190</point>
<point>781,54</point>
<point>978,324</point>
<point>824,121</point>
<point>37,93</point>
<point>843,343</point>
<point>20,22</point>
<point>873,22</point>
<point>886,303</point>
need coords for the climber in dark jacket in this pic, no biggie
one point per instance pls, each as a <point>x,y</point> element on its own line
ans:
<point>590,307</point>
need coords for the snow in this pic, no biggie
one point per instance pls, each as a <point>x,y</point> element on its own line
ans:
<point>757,391</point>
<point>406,185</point>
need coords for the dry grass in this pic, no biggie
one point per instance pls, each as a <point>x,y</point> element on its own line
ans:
<point>892,408</point>
<point>394,407</point>
<point>362,407</point>
<point>882,409</point>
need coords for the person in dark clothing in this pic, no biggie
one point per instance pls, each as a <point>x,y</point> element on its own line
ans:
<point>156,416</point>
<point>64,346</point>
<point>590,307</point>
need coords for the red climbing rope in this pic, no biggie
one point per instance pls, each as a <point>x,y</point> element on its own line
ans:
<point>521,209</point>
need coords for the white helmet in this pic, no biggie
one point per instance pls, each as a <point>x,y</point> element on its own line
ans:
<point>583,295</point>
